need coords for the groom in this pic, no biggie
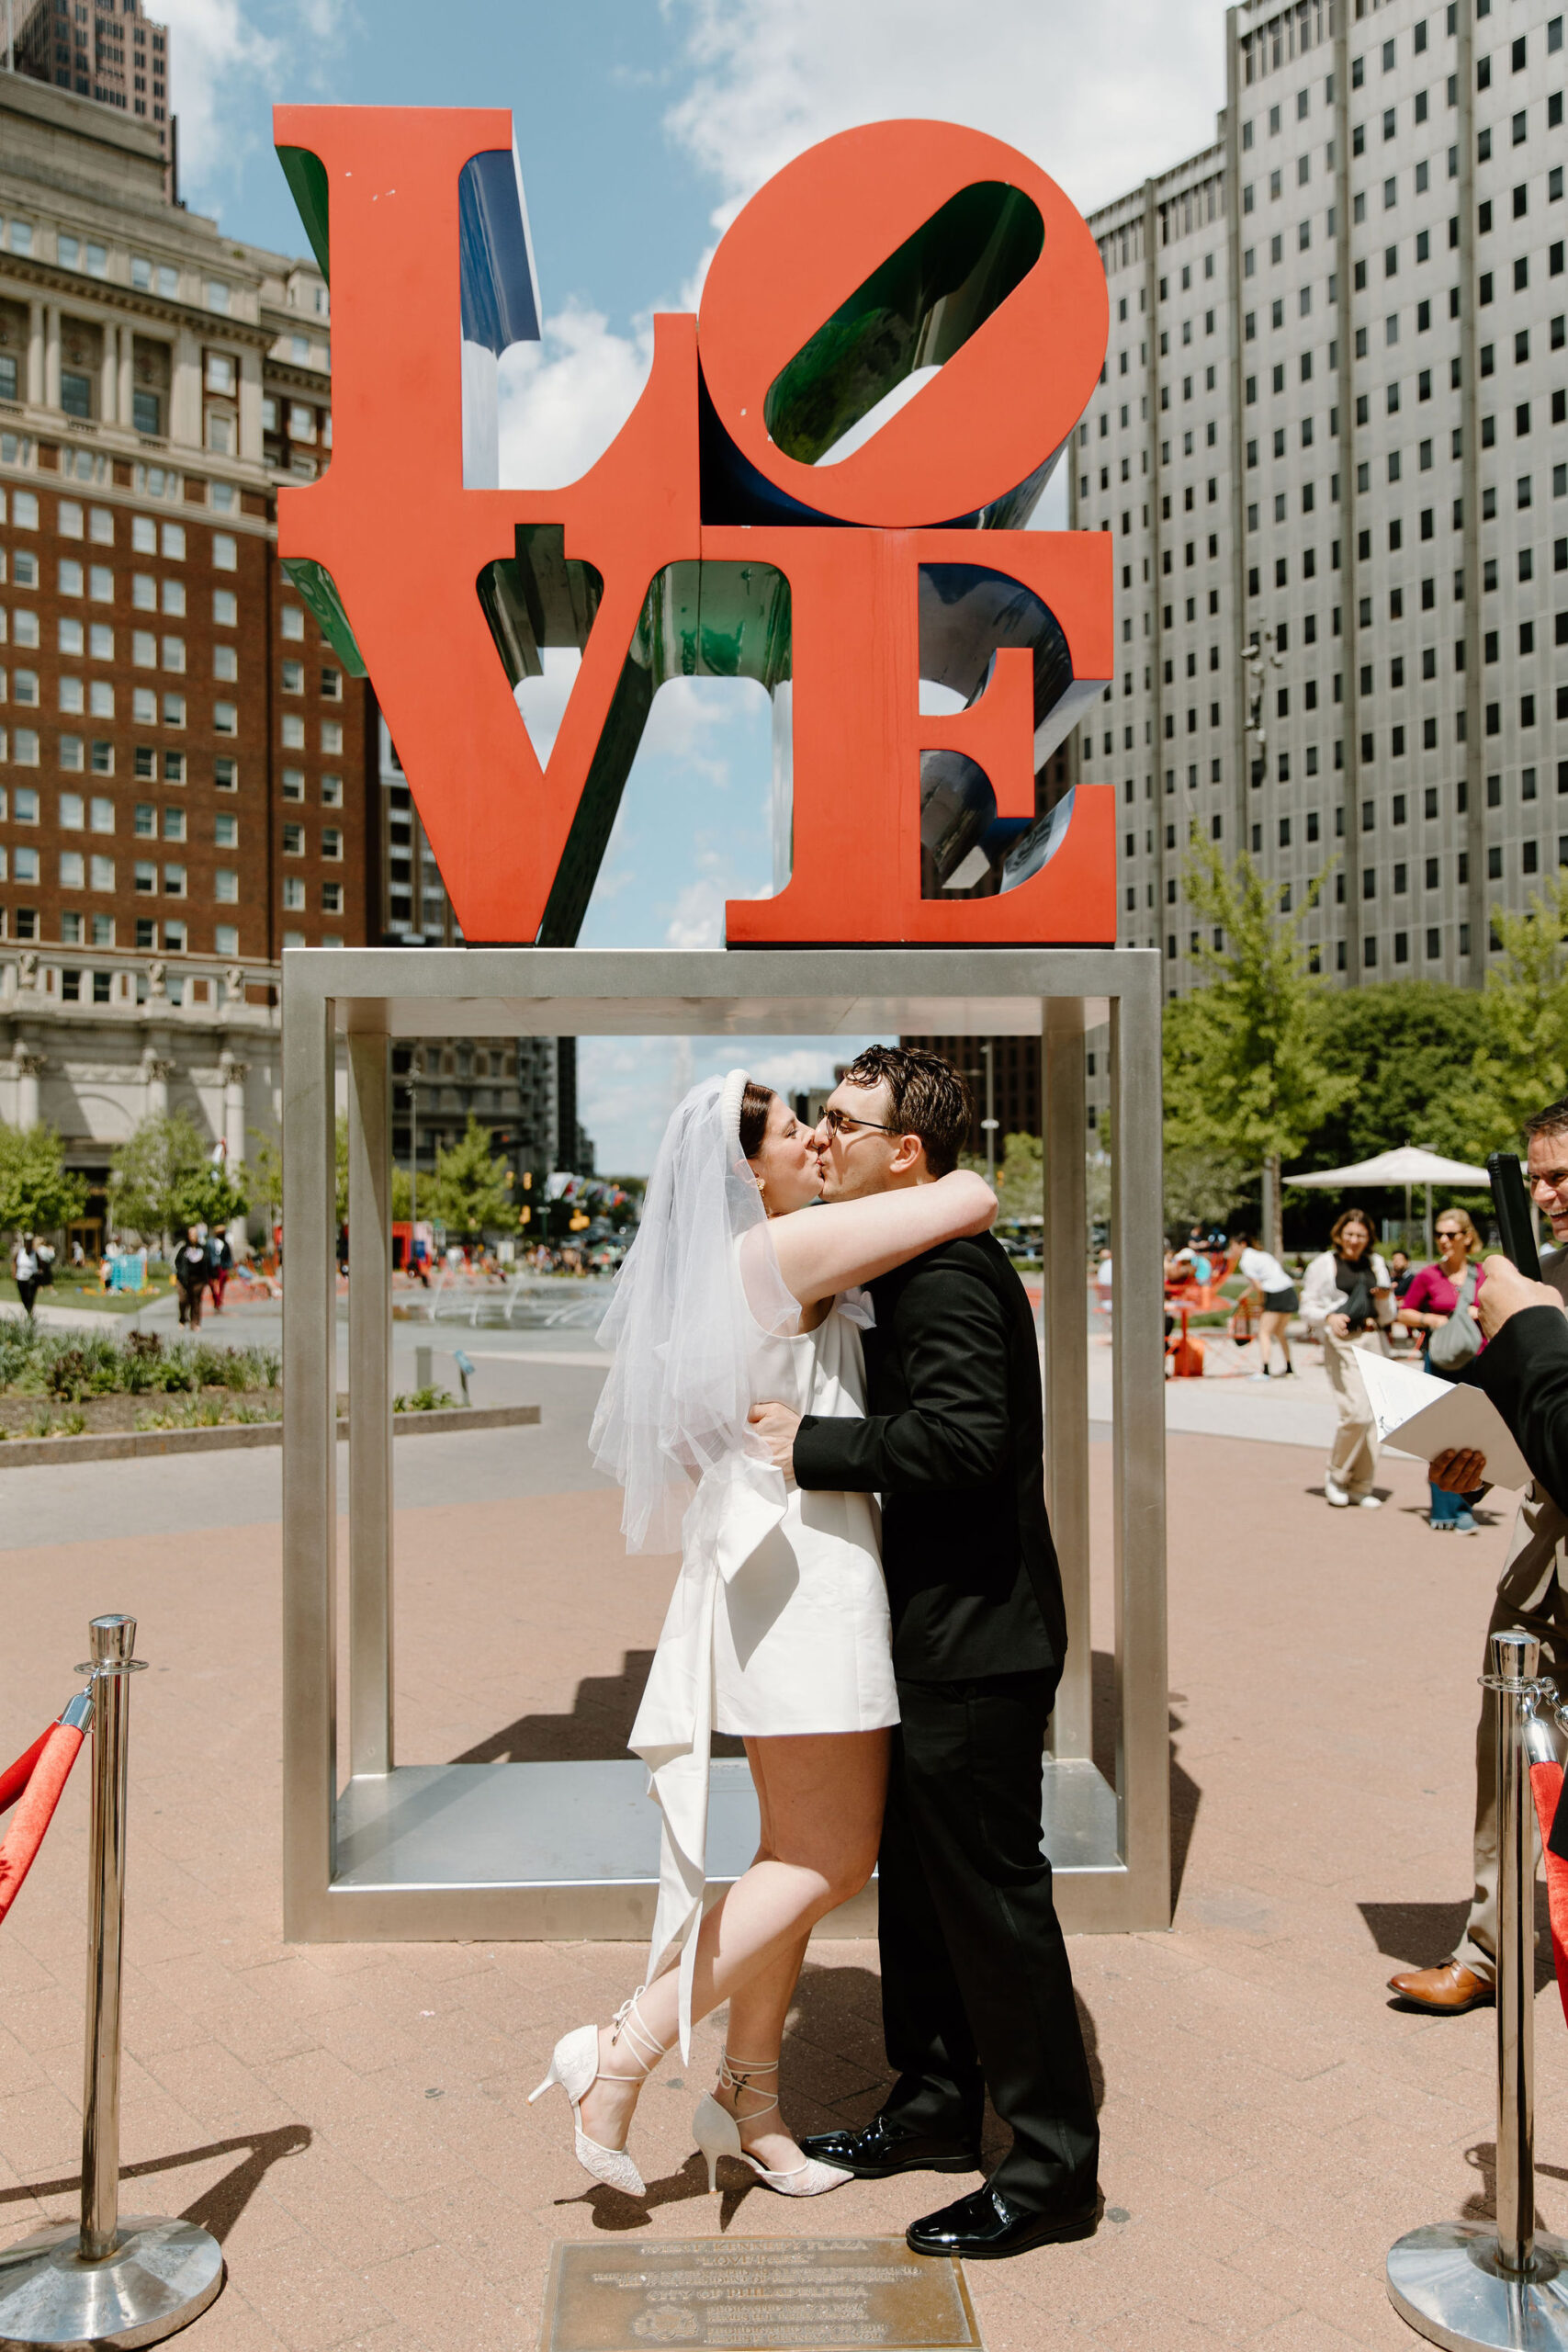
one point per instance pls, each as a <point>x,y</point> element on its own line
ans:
<point>977,1992</point>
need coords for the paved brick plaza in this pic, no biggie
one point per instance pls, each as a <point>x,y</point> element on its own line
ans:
<point>353,2121</point>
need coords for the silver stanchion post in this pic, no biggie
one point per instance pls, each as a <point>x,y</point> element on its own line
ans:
<point>111,2279</point>
<point>1461,2283</point>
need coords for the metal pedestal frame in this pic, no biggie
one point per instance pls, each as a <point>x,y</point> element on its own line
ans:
<point>411,1853</point>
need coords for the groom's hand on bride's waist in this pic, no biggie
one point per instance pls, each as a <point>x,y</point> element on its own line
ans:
<point>776,1426</point>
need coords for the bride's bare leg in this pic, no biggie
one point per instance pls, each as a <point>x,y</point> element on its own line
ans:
<point>758,2009</point>
<point>823,1819</point>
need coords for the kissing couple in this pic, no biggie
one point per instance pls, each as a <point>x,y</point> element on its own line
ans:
<point>837,1418</point>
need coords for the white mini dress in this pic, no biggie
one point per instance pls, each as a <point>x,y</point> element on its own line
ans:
<point>778,1623</point>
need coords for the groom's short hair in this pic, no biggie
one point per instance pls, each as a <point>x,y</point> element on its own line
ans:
<point>927,1097</point>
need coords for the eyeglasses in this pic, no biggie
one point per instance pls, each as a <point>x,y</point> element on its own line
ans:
<point>838,1122</point>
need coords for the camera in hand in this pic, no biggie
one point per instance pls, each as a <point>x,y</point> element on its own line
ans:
<point>1511,1202</point>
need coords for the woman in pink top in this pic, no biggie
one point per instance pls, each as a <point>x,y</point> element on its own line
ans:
<point>1427,1305</point>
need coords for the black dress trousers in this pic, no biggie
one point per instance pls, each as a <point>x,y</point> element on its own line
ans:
<point>976,1986</point>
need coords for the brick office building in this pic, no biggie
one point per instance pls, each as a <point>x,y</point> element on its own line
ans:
<point>189,782</point>
<point>184,759</point>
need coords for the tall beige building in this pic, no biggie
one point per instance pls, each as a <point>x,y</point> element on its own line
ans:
<point>108,51</point>
<point>1330,442</point>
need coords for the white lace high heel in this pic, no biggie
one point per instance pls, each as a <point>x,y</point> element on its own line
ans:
<point>717,2133</point>
<point>574,2064</point>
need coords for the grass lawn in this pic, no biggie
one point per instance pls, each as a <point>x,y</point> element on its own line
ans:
<point>70,1289</point>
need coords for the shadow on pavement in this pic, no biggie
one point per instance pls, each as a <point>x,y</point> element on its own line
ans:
<point>596,1730</point>
<point>1186,1796</point>
<point>834,2073</point>
<point>1480,2205</point>
<point>1423,1935</point>
<point>218,2208</point>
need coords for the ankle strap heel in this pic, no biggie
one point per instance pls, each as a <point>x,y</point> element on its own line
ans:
<point>717,2133</point>
<point>574,2064</point>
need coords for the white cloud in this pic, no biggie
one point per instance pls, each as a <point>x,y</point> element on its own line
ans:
<point>628,1086</point>
<point>543,701</point>
<point>1099,97</point>
<point>229,59</point>
<point>564,400</point>
<point>794,1069</point>
<point>697,920</point>
<point>214,49</point>
<point>690,720</point>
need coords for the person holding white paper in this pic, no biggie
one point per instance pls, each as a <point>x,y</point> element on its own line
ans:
<point>1439,1301</point>
<point>1532,1595</point>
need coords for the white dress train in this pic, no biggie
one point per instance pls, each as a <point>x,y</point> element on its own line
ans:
<point>778,1623</point>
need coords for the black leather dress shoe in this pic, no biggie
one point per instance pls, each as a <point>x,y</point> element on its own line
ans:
<point>883,2147</point>
<point>984,2227</point>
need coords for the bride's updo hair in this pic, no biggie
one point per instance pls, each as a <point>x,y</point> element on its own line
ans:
<point>755,1104</point>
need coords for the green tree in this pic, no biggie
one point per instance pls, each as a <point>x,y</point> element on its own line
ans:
<point>1020,1181</point>
<point>1409,1046</point>
<point>1246,1075</point>
<point>161,1180</point>
<point>37,1193</point>
<point>1521,1061</point>
<point>470,1189</point>
<point>263,1165</point>
<point>1202,1187</point>
<point>212,1194</point>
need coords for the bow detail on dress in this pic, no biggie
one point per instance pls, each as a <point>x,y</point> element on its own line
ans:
<point>736,1507</point>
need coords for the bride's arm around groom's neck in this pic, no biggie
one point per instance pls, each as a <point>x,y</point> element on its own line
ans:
<point>835,1246</point>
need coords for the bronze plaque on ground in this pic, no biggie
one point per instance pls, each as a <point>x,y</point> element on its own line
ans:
<point>756,2292</point>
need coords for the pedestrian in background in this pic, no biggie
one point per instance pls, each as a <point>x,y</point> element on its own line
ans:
<point>192,1269</point>
<point>1276,1292</point>
<point>1439,1305</point>
<point>1401,1271</point>
<point>1346,1292</point>
<point>31,1269</point>
<point>221,1265</point>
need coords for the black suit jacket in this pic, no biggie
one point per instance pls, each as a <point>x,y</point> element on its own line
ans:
<point>953,1443</point>
<point>1525,1372</point>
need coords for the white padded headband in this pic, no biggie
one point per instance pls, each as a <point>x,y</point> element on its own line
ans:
<point>729,1103</point>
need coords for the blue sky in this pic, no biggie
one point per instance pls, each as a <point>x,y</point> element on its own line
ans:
<point>642,125</point>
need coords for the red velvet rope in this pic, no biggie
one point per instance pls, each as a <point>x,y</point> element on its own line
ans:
<point>14,1778</point>
<point>50,1760</point>
<point>1546,1787</point>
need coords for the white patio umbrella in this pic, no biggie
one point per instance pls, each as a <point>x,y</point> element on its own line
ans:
<point>1408,1166</point>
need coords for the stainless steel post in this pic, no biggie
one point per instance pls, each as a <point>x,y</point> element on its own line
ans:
<point>1142,1684</point>
<point>370,1390</point>
<point>1516,1660</point>
<point>110,2280</point>
<point>988,1124</point>
<point>1065,1318</point>
<point>111,1667</point>
<point>1459,2282</point>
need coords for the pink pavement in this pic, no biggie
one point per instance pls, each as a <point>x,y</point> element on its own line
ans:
<point>352,2121</point>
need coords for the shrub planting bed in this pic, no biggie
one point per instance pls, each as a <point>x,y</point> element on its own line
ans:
<point>56,1384</point>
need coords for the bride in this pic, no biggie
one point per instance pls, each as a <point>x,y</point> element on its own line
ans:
<point>778,1628</point>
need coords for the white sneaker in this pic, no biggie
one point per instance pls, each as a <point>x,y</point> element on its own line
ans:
<point>1335,1495</point>
<point>1367,1502</point>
